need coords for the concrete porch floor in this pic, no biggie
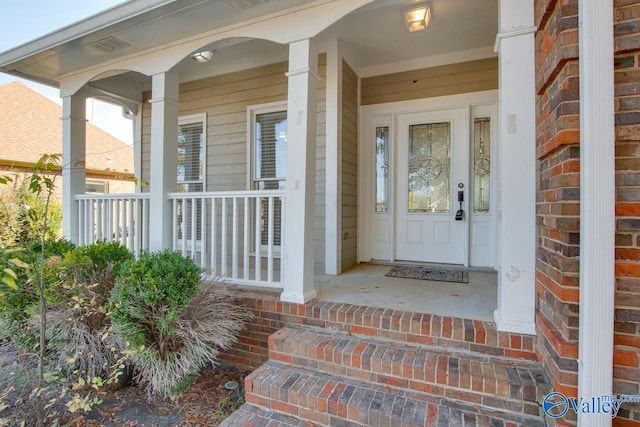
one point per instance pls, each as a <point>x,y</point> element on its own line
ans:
<point>366,284</point>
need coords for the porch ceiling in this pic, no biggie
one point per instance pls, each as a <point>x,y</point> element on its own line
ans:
<point>374,34</point>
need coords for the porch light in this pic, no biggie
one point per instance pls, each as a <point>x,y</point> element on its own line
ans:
<point>204,56</point>
<point>417,17</point>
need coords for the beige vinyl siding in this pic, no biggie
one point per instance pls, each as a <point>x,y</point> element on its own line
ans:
<point>349,167</point>
<point>448,79</point>
<point>225,99</point>
<point>321,156</point>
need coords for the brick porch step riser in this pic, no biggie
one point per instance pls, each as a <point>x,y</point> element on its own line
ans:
<point>386,324</point>
<point>322,398</point>
<point>501,384</point>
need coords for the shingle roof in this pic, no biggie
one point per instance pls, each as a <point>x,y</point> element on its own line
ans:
<point>30,126</point>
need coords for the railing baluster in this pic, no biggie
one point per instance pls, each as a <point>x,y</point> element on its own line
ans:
<point>223,236</point>
<point>144,224</point>
<point>134,226</point>
<point>194,229</point>
<point>282,231</point>
<point>99,224</point>
<point>91,222</point>
<point>174,224</point>
<point>245,273</point>
<point>116,212</point>
<point>130,220</point>
<point>183,225</point>
<point>258,239</point>
<point>203,233</point>
<point>270,242</point>
<point>81,223</point>
<point>234,243</point>
<point>214,267</point>
<point>129,232</point>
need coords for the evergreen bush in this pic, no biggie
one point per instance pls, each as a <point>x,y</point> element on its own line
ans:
<point>172,322</point>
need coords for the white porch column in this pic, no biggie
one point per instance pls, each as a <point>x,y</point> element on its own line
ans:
<point>517,168</point>
<point>597,204</point>
<point>164,142</point>
<point>301,173</point>
<point>73,161</point>
<point>333,191</point>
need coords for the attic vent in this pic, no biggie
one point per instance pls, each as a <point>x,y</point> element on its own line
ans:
<point>245,4</point>
<point>109,44</point>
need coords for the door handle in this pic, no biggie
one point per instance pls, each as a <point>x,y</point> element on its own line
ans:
<point>460,212</point>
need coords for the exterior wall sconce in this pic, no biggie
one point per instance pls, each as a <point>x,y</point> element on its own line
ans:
<point>204,56</point>
<point>417,17</point>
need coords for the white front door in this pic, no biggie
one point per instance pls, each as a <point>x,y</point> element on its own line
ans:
<point>432,169</point>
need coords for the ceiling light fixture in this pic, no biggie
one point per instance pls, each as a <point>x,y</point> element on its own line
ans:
<point>204,56</point>
<point>417,17</point>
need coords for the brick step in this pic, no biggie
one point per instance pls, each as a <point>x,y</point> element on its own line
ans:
<point>251,415</point>
<point>509,384</point>
<point>340,401</point>
<point>400,326</point>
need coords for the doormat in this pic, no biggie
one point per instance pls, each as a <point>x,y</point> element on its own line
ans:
<point>429,273</point>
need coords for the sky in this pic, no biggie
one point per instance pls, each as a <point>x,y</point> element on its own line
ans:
<point>26,20</point>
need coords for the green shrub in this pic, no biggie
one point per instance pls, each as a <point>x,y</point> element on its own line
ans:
<point>173,326</point>
<point>150,293</point>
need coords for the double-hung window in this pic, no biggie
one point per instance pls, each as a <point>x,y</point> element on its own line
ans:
<point>191,171</point>
<point>268,151</point>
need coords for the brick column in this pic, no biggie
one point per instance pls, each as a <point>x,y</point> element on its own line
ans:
<point>558,195</point>
<point>626,367</point>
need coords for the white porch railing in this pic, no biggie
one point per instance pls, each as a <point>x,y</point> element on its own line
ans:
<point>120,218</point>
<point>235,235</point>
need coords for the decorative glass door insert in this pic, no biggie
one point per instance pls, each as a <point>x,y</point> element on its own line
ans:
<point>481,165</point>
<point>382,169</point>
<point>429,177</point>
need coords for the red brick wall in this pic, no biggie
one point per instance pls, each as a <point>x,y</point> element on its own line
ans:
<point>558,196</point>
<point>626,374</point>
<point>558,151</point>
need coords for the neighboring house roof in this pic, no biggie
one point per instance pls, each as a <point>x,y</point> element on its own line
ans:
<point>31,126</point>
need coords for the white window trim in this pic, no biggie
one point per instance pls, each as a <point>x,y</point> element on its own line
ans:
<point>198,118</point>
<point>187,120</point>
<point>96,182</point>
<point>252,112</point>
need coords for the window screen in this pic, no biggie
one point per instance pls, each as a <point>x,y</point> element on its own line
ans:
<point>190,175</point>
<point>271,148</point>
<point>190,157</point>
<point>270,166</point>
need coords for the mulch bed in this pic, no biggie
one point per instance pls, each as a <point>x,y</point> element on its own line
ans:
<point>206,403</point>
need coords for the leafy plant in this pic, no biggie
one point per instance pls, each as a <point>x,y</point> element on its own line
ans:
<point>173,325</point>
<point>149,294</point>
<point>19,297</point>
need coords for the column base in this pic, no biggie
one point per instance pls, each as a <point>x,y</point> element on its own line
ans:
<point>505,325</point>
<point>298,298</point>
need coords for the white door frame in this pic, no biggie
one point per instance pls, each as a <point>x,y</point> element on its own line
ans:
<point>374,115</point>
